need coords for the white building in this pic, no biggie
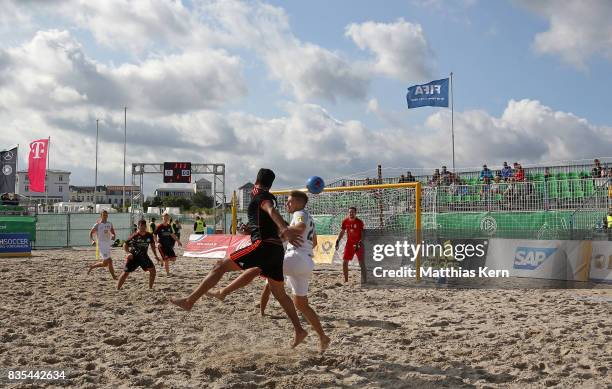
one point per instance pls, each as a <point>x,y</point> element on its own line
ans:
<point>174,192</point>
<point>203,186</point>
<point>244,195</point>
<point>105,194</point>
<point>57,184</point>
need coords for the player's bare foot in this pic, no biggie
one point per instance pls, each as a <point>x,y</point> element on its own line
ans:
<point>182,303</point>
<point>325,340</point>
<point>299,338</point>
<point>216,294</point>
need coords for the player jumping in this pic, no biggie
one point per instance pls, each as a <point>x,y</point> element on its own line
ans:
<point>354,245</point>
<point>266,227</point>
<point>105,235</point>
<point>297,266</point>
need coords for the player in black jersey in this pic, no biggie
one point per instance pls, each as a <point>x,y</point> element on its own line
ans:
<point>266,227</point>
<point>165,241</point>
<point>137,246</point>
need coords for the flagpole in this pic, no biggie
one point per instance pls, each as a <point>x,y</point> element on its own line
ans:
<point>123,208</point>
<point>452,119</point>
<point>46,174</point>
<point>96,175</point>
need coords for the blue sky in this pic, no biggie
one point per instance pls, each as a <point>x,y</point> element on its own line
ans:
<point>305,87</point>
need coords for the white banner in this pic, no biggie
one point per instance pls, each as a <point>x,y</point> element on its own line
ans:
<point>601,261</point>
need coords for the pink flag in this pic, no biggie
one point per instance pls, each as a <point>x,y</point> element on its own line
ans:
<point>37,165</point>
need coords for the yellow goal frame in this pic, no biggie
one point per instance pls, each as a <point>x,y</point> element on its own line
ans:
<point>417,200</point>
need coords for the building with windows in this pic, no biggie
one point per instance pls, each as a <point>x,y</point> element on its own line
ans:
<point>244,195</point>
<point>174,192</point>
<point>104,194</point>
<point>203,186</point>
<point>57,187</point>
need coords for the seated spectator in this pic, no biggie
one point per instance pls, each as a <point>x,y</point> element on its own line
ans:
<point>506,172</point>
<point>519,174</point>
<point>547,174</point>
<point>486,173</point>
<point>495,186</point>
<point>596,171</point>
<point>484,189</point>
<point>410,177</point>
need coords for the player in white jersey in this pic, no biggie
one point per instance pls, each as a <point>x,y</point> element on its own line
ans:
<point>297,266</point>
<point>105,235</point>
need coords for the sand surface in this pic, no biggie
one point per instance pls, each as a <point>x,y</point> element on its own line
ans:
<point>54,316</point>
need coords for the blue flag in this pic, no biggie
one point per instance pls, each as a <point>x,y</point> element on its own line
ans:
<point>433,94</point>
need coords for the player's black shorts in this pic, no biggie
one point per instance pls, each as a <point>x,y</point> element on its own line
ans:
<point>264,255</point>
<point>142,261</point>
<point>166,251</point>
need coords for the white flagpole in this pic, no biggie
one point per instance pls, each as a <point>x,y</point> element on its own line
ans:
<point>46,174</point>
<point>452,119</point>
<point>124,149</point>
<point>95,194</point>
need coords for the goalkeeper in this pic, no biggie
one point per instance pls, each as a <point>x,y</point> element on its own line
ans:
<point>354,245</point>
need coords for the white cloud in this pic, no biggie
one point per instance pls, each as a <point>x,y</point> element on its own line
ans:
<point>578,30</point>
<point>174,83</point>
<point>401,49</point>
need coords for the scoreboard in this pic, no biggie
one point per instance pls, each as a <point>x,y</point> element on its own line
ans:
<point>177,172</point>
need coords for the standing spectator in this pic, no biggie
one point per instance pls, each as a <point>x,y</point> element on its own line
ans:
<point>402,179</point>
<point>435,179</point>
<point>486,173</point>
<point>410,177</point>
<point>445,176</point>
<point>485,188</point>
<point>506,172</point>
<point>596,171</point>
<point>152,225</point>
<point>519,175</point>
<point>176,228</point>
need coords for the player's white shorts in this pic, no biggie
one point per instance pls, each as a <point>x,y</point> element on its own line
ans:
<point>105,250</point>
<point>297,270</point>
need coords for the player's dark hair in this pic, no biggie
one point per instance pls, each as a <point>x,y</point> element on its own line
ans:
<point>152,220</point>
<point>265,178</point>
<point>353,208</point>
<point>298,194</point>
<point>141,222</point>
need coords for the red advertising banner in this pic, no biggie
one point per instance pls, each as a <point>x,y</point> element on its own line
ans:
<point>214,246</point>
<point>37,165</point>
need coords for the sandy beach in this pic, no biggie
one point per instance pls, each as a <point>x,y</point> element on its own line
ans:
<point>56,317</point>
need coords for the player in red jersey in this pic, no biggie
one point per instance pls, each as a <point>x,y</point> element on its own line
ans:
<point>354,245</point>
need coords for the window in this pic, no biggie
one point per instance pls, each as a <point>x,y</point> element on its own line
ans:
<point>60,188</point>
<point>61,178</point>
<point>27,188</point>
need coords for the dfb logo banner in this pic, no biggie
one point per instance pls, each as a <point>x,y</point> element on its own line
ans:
<point>37,164</point>
<point>432,94</point>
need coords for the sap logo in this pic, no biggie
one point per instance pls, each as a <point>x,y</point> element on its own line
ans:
<point>530,258</point>
<point>427,89</point>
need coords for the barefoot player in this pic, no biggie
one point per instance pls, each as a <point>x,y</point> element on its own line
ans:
<point>353,226</point>
<point>297,266</point>
<point>105,235</point>
<point>136,247</point>
<point>266,252</point>
<point>165,241</point>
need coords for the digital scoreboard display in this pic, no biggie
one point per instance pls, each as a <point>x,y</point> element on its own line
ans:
<point>177,172</point>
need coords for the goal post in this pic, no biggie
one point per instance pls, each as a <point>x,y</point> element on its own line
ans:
<point>393,208</point>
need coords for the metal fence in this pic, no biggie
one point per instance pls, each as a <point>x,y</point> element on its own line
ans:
<point>72,229</point>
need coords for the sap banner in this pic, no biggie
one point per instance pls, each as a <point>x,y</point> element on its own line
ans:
<point>547,259</point>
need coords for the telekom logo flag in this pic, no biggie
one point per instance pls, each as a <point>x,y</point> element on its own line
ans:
<point>37,165</point>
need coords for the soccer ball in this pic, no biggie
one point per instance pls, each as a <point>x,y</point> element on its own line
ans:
<point>315,185</point>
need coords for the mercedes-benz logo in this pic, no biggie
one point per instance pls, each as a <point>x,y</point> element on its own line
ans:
<point>7,170</point>
<point>8,156</point>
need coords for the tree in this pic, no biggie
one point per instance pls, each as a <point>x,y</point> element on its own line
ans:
<point>157,201</point>
<point>200,200</point>
<point>181,202</point>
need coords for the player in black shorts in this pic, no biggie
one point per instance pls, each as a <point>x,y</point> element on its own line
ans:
<point>266,227</point>
<point>165,241</point>
<point>137,246</point>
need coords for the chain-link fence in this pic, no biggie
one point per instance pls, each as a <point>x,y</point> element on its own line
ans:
<point>72,229</point>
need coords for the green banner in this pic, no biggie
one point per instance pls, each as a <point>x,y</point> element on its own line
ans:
<point>19,224</point>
